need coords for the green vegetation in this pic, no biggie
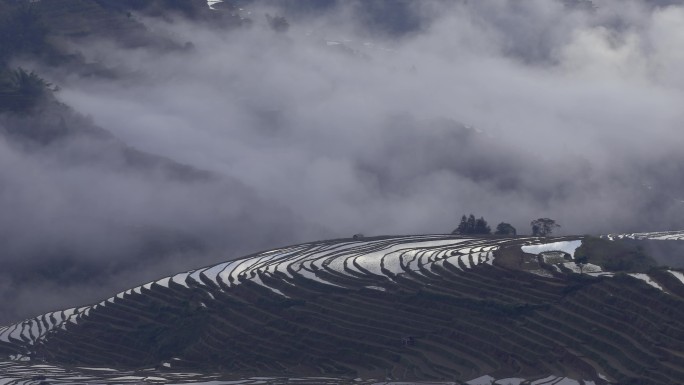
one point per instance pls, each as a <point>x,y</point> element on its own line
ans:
<point>33,30</point>
<point>20,91</point>
<point>504,228</point>
<point>278,23</point>
<point>619,255</point>
<point>543,227</point>
<point>81,18</point>
<point>470,225</point>
<point>40,29</point>
<point>188,8</point>
<point>581,261</point>
<point>22,31</point>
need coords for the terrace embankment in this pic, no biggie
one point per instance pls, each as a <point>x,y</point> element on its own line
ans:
<point>407,308</point>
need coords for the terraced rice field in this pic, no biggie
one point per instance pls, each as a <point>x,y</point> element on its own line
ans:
<point>83,18</point>
<point>659,236</point>
<point>416,308</point>
<point>13,373</point>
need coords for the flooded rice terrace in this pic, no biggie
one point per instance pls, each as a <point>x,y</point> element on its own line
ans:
<point>24,373</point>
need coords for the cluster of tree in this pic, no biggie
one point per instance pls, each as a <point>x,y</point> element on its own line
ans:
<point>188,8</point>
<point>278,23</point>
<point>541,227</point>
<point>471,225</point>
<point>620,255</point>
<point>581,261</point>
<point>22,31</point>
<point>20,90</point>
<point>504,228</point>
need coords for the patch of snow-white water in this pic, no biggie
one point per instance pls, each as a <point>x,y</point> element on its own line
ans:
<point>546,380</point>
<point>372,261</point>
<point>554,257</point>
<point>541,273</point>
<point>564,246</point>
<point>34,331</point>
<point>153,380</point>
<point>657,236</point>
<point>181,279</point>
<point>310,275</point>
<point>678,274</point>
<point>510,381</point>
<point>213,273</point>
<point>567,381</point>
<point>195,275</point>
<point>127,378</point>
<point>453,261</point>
<point>212,3</point>
<point>647,279</point>
<point>295,262</point>
<point>590,268</point>
<point>16,332</point>
<point>256,279</point>
<point>333,257</point>
<point>409,258</point>
<point>489,258</point>
<point>465,261</point>
<point>221,273</point>
<point>238,272</point>
<point>587,268</point>
<point>484,380</point>
<point>96,369</point>
<point>392,262</point>
<point>465,250</point>
<point>378,288</point>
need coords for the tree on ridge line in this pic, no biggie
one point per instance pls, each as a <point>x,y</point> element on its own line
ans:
<point>543,227</point>
<point>470,225</point>
<point>504,228</point>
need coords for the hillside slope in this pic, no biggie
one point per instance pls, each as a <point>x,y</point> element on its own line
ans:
<point>104,17</point>
<point>408,308</point>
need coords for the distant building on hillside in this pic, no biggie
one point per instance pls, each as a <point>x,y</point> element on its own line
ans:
<point>408,341</point>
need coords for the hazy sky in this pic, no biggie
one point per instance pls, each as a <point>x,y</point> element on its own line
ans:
<point>510,110</point>
<point>354,138</point>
